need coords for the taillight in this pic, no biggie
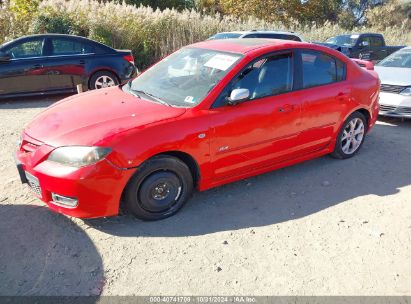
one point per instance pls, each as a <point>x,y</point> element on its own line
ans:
<point>129,58</point>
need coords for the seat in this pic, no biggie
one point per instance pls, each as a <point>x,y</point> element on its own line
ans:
<point>272,79</point>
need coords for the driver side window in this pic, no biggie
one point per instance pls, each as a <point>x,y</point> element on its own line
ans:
<point>28,49</point>
<point>268,76</point>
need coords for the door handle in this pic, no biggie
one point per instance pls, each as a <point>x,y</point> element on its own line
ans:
<point>82,61</point>
<point>37,66</point>
<point>286,108</point>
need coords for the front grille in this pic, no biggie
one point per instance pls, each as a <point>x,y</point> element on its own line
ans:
<point>403,110</point>
<point>386,108</point>
<point>34,184</point>
<point>395,110</point>
<point>392,88</point>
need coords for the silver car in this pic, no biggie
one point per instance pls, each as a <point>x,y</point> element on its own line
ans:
<point>395,75</point>
<point>257,34</point>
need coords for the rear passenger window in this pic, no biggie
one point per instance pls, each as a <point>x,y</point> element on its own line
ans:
<point>294,38</point>
<point>271,36</point>
<point>252,36</point>
<point>320,69</point>
<point>70,47</point>
<point>376,41</point>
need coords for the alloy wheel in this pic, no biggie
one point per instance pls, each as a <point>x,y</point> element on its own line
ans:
<point>104,81</point>
<point>352,136</point>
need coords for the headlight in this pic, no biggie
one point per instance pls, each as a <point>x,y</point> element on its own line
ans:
<point>78,156</point>
<point>406,91</point>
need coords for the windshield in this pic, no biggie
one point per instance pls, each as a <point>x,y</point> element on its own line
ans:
<point>184,78</point>
<point>400,59</point>
<point>343,40</point>
<point>224,36</point>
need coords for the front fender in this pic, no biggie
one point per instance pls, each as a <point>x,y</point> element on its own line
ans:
<point>189,135</point>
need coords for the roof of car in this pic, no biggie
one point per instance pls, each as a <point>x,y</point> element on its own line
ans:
<point>52,35</point>
<point>22,38</point>
<point>352,34</point>
<point>243,46</point>
<point>41,35</point>
<point>258,32</point>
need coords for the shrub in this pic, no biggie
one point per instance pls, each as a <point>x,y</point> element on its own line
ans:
<point>152,34</point>
<point>56,24</point>
<point>23,11</point>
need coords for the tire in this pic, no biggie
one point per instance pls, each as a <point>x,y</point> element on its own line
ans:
<point>159,189</point>
<point>103,79</point>
<point>351,136</point>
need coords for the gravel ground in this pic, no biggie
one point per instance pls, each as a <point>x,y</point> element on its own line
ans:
<point>324,227</point>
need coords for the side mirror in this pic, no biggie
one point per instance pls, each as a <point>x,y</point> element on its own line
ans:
<point>238,95</point>
<point>4,57</point>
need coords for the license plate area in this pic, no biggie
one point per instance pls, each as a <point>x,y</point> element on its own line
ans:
<point>34,183</point>
<point>22,174</point>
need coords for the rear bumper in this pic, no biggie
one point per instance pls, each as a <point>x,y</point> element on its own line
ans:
<point>129,73</point>
<point>98,188</point>
<point>374,109</point>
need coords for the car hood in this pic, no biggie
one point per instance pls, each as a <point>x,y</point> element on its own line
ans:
<point>394,76</point>
<point>92,118</point>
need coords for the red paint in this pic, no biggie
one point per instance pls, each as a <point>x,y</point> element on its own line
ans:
<point>364,63</point>
<point>240,141</point>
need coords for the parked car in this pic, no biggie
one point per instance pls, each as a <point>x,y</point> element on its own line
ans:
<point>257,34</point>
<point>395,75</point>
<point>54,63</point>
<point>244,109</point>
<point>366,46</point>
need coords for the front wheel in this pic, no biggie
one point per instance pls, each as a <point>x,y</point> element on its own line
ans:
<point>159,189</point>
<point>351,136</point>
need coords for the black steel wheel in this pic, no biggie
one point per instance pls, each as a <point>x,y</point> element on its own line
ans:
<point>159,189</point>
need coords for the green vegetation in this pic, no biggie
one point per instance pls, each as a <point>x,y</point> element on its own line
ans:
<point>152,34</point>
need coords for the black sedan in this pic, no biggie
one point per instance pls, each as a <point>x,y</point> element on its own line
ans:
<point>54,63</point>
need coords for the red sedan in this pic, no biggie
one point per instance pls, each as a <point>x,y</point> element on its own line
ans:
<point>209,114</point>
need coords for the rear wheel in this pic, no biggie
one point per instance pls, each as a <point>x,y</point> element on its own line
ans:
<point>351,136</point>
<point>103,79</point>
<point>160,188</point>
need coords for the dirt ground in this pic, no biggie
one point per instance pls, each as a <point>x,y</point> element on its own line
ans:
<point>324,227</point>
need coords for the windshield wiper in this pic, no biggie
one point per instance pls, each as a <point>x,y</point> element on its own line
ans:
<point>127,88</point>
<point>153,97</point>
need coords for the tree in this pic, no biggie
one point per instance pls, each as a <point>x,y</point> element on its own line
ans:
<point>285,11</point>
<point>319,11</point>
<point>208,6</point>
<point>270,10</point>
<point>354,11</point>
<point>394,13</point>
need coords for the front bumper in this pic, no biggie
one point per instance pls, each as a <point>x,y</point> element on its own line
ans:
<point>98,187</point>
<point>395,105</point>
